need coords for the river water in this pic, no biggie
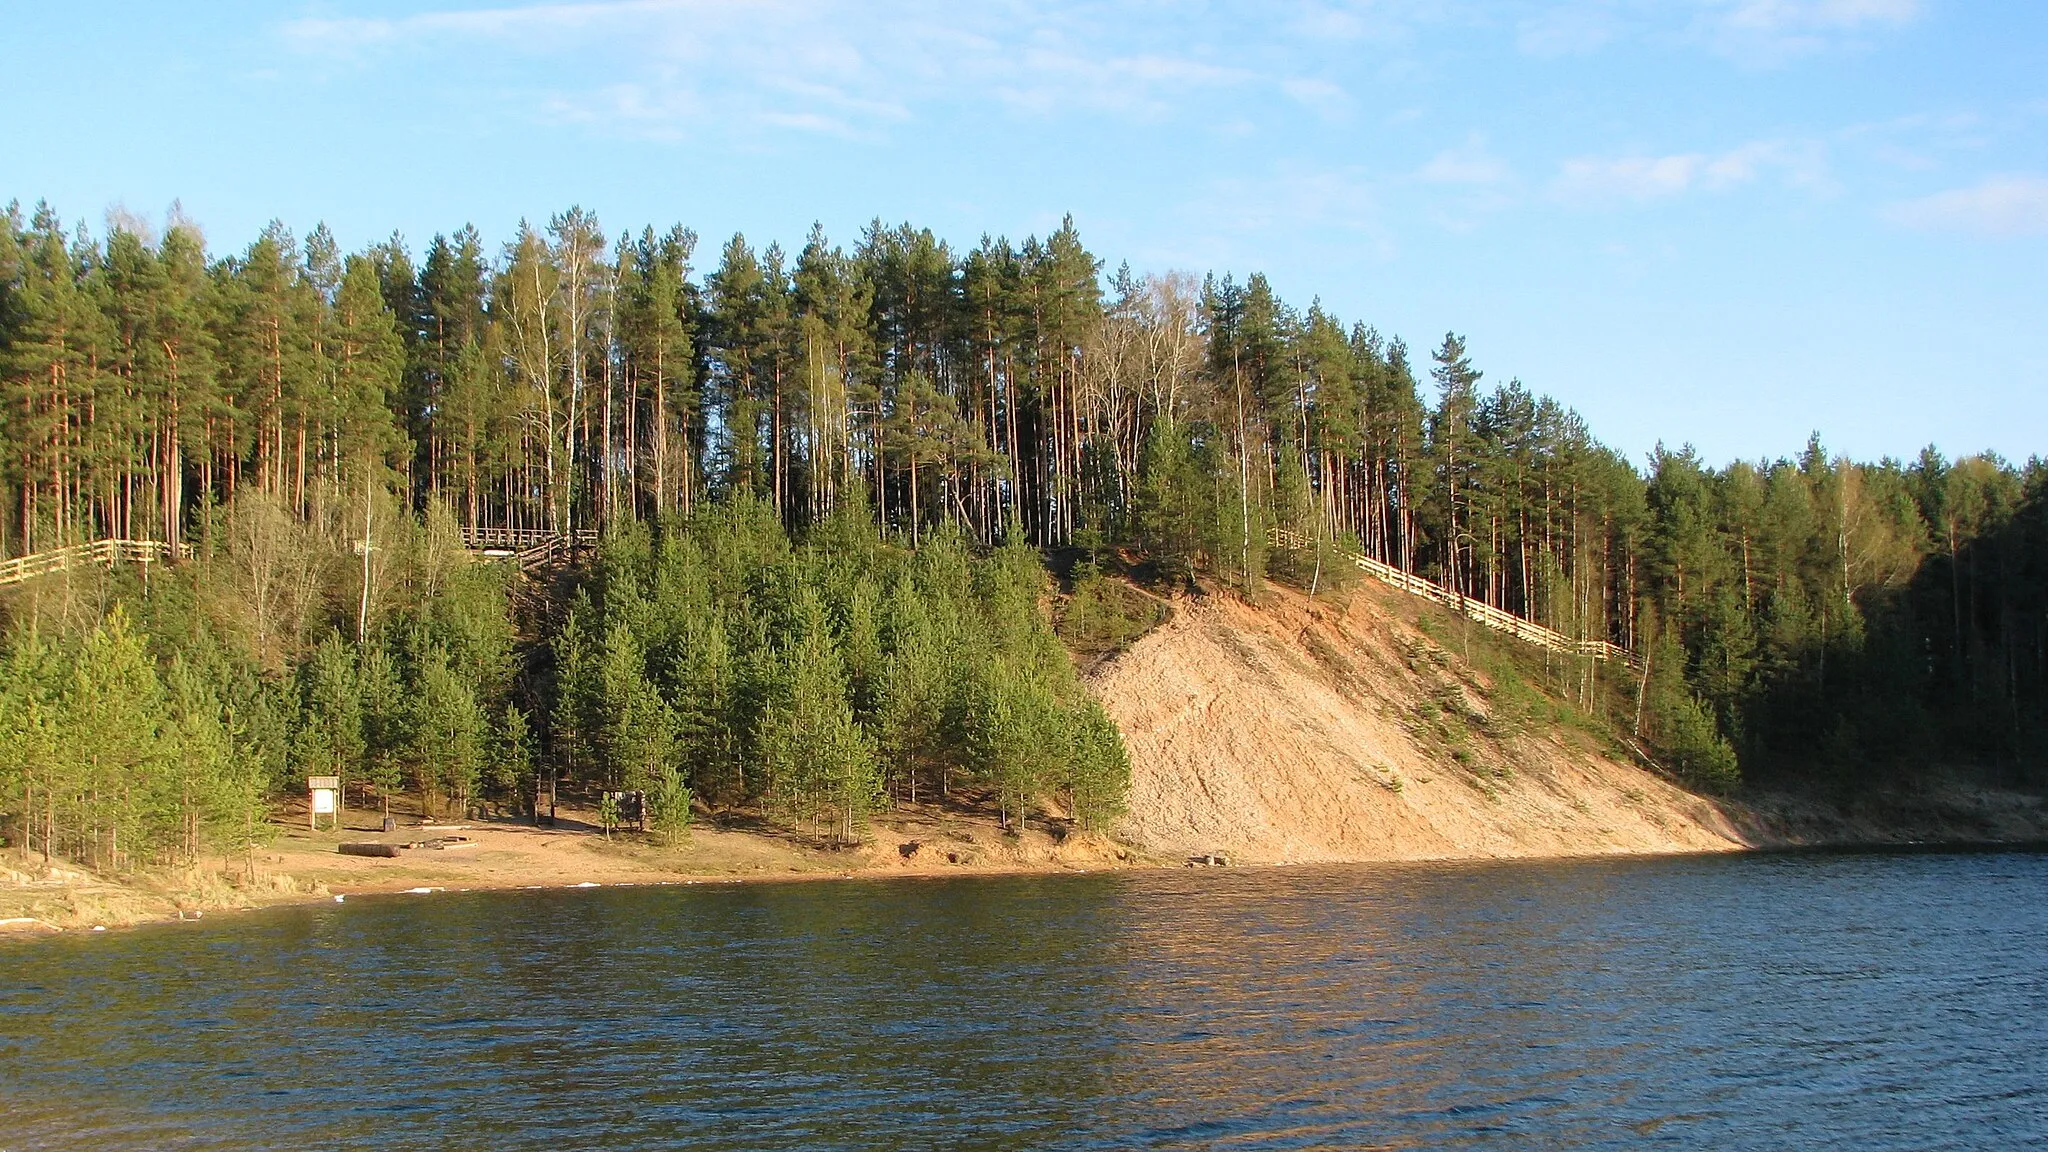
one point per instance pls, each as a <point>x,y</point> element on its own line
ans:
<point>1866,1001</point>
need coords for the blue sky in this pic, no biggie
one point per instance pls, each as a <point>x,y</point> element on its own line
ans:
<point>1724,222</point>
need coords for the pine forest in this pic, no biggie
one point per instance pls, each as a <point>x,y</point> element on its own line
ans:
<point>810,508</point>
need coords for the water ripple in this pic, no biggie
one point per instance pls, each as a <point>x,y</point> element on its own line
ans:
<point>1757,1002</point>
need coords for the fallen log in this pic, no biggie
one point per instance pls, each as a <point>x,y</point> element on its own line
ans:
<point>369,849</point>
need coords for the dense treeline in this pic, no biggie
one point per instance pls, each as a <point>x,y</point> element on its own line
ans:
<point>149,716</point>
<point>1807,615</point>
<point>714,657</point>
<point>1848,618</point>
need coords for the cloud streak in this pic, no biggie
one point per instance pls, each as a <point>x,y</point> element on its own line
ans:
<point>1770,32</point>
<point>1596,181</point>
<point>1999,206</point>
<point>1783,16</point>
<point>1472,165</point>
<point>673,67</point>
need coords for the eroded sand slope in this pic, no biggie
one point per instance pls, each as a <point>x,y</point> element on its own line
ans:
<point>1295,732</point>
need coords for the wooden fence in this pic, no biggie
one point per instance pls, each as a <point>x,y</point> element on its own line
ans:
<point>1476,610</point>
<point>530,547</point>
<point>104,553</point>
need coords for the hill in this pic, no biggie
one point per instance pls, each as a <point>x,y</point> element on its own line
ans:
<point>1300,732</point>
<point>1296,732</point>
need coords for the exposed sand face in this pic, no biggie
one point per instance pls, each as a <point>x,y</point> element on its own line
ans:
<point>1295,733</point>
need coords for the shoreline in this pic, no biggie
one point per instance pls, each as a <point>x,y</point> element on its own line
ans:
<point>157,906</point>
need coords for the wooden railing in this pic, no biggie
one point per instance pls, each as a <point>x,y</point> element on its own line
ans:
<point>528,546</point>
<point>104,553</point>
<point>1476,610</point>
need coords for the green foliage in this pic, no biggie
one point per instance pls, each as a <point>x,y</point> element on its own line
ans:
<point>1097,777</point>
<point>755,442</point>
<point>106,758</point>
<point>1172,502</point>
<point>1681,725</point>
<point>818,681</point>
<point>509,769</point>
<point>1104,615</point>
<point>1322,569</point>
<point>636,732</point>
<point>668,803</point>
<point>815,755</point>
<point>445,732</point>
<point>331,733</point>
<point>1014,739</point>
<point>382,702</point>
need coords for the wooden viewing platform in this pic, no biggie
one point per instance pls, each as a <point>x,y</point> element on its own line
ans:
<point>528,546</point>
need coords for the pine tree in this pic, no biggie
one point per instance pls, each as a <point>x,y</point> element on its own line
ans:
<point>510,768</point>
<point>331,737</point>
<point>1451,442</point>
<point>445,732</point>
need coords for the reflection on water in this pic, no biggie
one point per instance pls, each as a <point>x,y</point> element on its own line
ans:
<point>1768,1002</point>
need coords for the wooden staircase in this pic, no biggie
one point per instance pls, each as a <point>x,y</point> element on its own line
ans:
<point>1471,609</point>
<point>540,557</point>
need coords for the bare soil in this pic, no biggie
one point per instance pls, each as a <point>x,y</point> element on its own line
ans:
<point>1298,731</point>
<point>300,865</point>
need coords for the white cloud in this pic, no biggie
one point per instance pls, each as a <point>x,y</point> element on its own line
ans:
<point>1472,185</point>
<point>1343,202</point>
<point>1145,86</point>
<point>1767,32</point>
<point>1630,178</point>
<point>672,67</point>
<point>1920,142</point>
<point>1325,99</point>
<point>1568,29</point>
<point>1590,180</point>
<point>1471,164</point>
<point>515,22</point>
<point>1999,206</point>
<point>1776,16</point>
<point>650,68</point>
<point>1351,21</point>
<point>1755,32</point>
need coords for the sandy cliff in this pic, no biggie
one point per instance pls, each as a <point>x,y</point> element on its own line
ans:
<point>1298,732</point>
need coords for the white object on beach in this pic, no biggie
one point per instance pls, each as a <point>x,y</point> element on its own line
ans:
<point>587,884</point>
